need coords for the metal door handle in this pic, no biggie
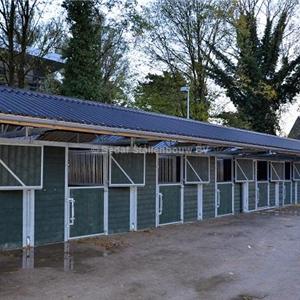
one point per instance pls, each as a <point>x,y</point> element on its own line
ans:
<point>160,208</point>
<point>257,195</point>
<point>72,216</point>
<point>218,198</point>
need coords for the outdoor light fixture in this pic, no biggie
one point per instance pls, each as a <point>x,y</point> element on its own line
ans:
<point>186,89</point>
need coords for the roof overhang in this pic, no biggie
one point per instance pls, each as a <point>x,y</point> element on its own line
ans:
<point>96,129</point>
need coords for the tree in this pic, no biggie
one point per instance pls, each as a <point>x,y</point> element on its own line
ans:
<point>96,64</point>
<point>21,29</point>
<point>161,93</point>
<point>176,32</point>
<point>82,75</point>
<point>259,74</point>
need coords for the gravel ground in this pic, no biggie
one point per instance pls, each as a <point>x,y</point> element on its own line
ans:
<point>251,256</point>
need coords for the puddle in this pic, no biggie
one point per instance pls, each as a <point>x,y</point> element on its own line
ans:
<point>214,281</point>
<point>71,256</point>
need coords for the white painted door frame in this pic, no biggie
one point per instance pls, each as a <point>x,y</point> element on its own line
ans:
<point>28,218</point>
<point>159,197</point>
<point>133,208</point>
<point>200,202</point>
<point>69,202</point>
<point>245,196</point>
<point>217,191</point>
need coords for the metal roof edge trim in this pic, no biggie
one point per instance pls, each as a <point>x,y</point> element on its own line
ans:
<point>72,126</point>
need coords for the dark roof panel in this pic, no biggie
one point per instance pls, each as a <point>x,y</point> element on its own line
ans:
<point>33,104</point>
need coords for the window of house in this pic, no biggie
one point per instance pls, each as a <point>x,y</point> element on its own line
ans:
<point>85,168</point>
<point>287,170</point>
<point>169,169</point>
<point>262,170</point>
<point>224,170</point>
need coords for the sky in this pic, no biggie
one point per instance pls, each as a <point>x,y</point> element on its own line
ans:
<point>142,67</point>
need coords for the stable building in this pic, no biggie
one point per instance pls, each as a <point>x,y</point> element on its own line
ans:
<point>71,169</point>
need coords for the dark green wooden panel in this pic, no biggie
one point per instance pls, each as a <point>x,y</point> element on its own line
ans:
<point>281,193</point>
<point>272,194</point>
<point>200,166</point>
<point>238,198</point>
<point>277,171</point>
<point>24,161</point>
<point>296,170</point>
<point>190,202</point>
<point>132,164</point>
<point>298,192</point>
<point>225,205</point>
<point>209,193</point>
<point>288,194</point>
<point>117,176</point>
<point>49,202</point>
<point>244,169</point>
<point>6,178</point>
<point>146,196</point>
<point>118,209</point>
<point>252,196</point>
<point>88,211</point>
<point>11,219</point>
<point>293,192</point>
<point>262,194</point>
<point>171,196</point>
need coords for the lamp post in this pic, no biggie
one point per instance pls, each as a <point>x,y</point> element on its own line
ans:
<point>186,89</point>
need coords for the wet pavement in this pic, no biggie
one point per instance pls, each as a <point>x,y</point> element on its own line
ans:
<point>59,256</point>
<point>62,256</point>
<point>250,256</point>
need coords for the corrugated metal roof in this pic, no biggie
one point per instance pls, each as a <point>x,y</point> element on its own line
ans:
<point>50,107</point>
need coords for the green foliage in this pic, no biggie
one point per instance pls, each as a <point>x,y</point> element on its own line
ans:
<point>261,77</point>
<point>96,66</point>
<point>233,119</point>
<point>176,31</point>
<point>82,68</point>
<point>23,31</point>
<point>161,93</point>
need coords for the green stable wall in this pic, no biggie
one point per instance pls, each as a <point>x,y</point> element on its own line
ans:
<point>118,209</point>
<point>24,161</point>
<point>89,211</point>
<point>11,219</point>
<point>49,202</point>
<point>190,202</point>
<point>209,193</point>
<point>146,196</point>
<point>238,205</point>
<point>171,211</point>
<point>293,193</point>
<point>252,196</point>
<point>263,194</point>
<point>132,163</point>
<point>281,193</point>
<point>298,192</point>
<point>272,193</point>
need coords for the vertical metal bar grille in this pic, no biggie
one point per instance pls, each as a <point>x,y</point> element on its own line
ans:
<point>168,169</point>
<point>85,168</point>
